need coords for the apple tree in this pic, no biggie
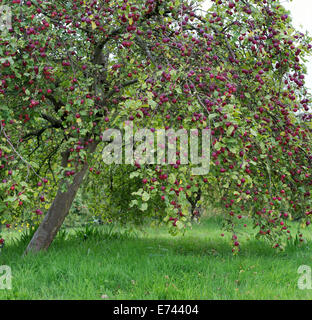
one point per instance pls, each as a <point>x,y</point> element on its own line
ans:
<point>71,70</point>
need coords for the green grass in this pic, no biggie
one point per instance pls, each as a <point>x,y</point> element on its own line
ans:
<point>154,265</point>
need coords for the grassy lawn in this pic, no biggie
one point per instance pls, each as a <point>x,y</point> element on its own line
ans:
<point>154,265</point>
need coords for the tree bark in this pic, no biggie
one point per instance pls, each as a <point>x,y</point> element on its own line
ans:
<point>194,206</point>
<point>58,211</point>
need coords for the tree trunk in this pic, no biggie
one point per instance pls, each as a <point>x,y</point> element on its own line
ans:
<point>58,211</point>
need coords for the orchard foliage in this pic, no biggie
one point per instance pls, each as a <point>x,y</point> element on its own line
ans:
<point>70,70</point>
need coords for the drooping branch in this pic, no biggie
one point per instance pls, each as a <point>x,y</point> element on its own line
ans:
<point>17,153</point>
<point>124,85</point>
<point>57,104</point>
<point>37,5</point>
<point>36,133</point>
<point>111,35</point>
<point>146,49</point>
<point>54,122</point>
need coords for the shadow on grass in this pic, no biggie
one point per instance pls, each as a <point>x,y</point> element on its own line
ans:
<point>218,247</point>
<point>204,241</point>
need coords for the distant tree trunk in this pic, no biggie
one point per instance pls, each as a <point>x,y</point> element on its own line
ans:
<point>195,209</point>
<point>59,209</point>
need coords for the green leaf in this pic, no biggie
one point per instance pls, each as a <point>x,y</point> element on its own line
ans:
<point>144,206</point>
<point>172,178</point>
<point>134,174</point>
<point>230,130</point>
<point>145,196</point>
